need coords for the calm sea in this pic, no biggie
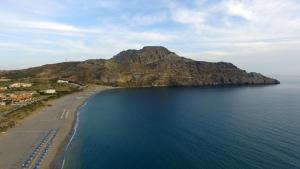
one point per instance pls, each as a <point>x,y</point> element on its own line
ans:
<point>190,128</point>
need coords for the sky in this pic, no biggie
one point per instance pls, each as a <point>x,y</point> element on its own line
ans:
<point>256,35</point>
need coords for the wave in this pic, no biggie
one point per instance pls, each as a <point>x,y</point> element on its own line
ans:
<point>72,137</point>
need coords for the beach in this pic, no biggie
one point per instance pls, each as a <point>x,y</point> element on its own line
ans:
<point>41,137</point>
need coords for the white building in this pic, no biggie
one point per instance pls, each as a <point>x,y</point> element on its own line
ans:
<point>62,81</point>
<point>18,85</point>
<point>2,96</point>
<point>49,91</point>
<point>4,80</point>
<point>3,88</point>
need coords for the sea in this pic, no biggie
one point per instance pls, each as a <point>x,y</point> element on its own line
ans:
<point>237,127</point>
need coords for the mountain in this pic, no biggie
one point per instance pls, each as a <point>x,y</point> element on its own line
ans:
<point>149,66</point>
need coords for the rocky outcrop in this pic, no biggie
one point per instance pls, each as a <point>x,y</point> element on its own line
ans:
<point>150,66</point>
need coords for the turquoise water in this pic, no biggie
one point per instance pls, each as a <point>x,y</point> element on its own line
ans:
<point>189,128</point>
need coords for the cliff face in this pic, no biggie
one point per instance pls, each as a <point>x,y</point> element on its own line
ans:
<point>150,66</point>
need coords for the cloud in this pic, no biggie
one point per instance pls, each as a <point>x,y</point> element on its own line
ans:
<point>44,25</point>
<point>186,16</point>
<point>218,29</point>
<point>10,21</point>
<point>146,19</point>
<point>238,8</point>
<point>229,30</point>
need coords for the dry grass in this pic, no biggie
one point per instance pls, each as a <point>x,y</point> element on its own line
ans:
<point>10,120</point>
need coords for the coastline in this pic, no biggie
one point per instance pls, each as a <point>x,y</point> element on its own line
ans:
<point>61,116</point>
<point>58,161</point>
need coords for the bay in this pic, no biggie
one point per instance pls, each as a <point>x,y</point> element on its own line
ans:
<point>190,128</point>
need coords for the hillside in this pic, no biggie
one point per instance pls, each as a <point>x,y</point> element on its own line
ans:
<point>150,66</point>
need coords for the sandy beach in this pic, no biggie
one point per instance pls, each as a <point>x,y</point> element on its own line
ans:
<point>40,138</point>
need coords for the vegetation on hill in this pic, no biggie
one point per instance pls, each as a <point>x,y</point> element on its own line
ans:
<point>150,66</point>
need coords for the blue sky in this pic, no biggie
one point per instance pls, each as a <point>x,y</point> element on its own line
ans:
<point>256,35</point>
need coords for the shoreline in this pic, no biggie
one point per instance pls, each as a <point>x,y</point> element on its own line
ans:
<point>28,133</point>
<point>58,161</point>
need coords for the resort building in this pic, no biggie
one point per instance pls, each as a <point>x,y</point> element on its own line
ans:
<point>62,81</point>
<point>21,97</point>
<point>4,80</point>
<point>18,85</point>
<point>3,88</point>
<point>49,91</point>
<point>2,96</point>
